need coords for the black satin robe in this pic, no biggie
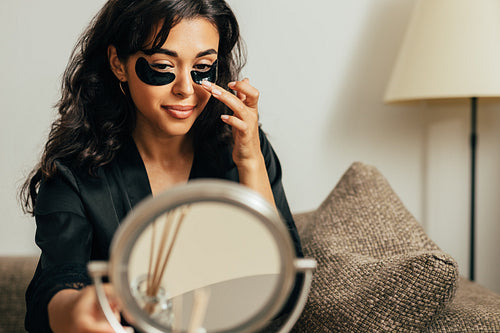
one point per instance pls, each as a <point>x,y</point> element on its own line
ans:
<point>77,216</point>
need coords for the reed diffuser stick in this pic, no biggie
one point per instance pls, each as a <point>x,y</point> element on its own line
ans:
<point>158,263</point>
<point>156,284</point>
<point>163,242</point>
<point>151,255</point>
<point>200,305</point>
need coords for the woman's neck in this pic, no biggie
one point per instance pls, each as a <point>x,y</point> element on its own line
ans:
<point>168,160</point>
<point>162,148</point>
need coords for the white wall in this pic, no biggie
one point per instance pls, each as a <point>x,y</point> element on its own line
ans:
<point>36,38</point>
<point>322,68</point>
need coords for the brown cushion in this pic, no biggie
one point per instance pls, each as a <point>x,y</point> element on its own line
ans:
<point>377,269</point>
<point>15,274</point>
<point>474,309</point>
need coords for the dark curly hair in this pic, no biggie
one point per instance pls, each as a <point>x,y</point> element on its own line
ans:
<point>95,116</point>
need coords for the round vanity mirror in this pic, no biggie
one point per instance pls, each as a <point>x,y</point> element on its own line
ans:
<point>208,256</point>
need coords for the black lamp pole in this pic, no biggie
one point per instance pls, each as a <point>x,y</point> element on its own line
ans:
<point>473,143</point>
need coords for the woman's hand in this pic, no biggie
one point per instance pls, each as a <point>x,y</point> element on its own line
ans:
<point>245,125</point>
<point>244,121</point>
<point>79,311</point>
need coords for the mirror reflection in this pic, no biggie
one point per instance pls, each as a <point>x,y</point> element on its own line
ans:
<point>205,264</point>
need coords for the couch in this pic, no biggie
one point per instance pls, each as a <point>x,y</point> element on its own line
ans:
<point>377,269</point>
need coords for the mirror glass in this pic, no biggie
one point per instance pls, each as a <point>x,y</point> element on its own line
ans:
<point>211,255</point>
<point>203,264</point>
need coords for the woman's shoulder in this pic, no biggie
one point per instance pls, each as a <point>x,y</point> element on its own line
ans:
<point>265,143</point>
<point>69,175</point>
<point>58,192</point>
<point>62,191</point>
<point>266,147</point>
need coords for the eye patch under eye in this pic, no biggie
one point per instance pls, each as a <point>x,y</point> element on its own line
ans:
<point>210,75</point>
<point>149,76</point>
<point>155,78</point>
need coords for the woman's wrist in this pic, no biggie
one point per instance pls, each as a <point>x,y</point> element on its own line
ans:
<point>253,174</point>
<point>251,165</point>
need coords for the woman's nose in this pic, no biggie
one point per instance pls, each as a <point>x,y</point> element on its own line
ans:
<point>183,84</point>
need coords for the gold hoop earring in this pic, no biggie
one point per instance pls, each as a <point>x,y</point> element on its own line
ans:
<point>121,88</point>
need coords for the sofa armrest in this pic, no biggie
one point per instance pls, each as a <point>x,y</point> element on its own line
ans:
<point>15,275</point>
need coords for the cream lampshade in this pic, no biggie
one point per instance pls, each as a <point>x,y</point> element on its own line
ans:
<point>451,50</point>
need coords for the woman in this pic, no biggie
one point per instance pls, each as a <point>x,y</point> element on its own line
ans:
<point>150,99</point>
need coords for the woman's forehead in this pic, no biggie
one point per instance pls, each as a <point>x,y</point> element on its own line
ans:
<point>198,33</point>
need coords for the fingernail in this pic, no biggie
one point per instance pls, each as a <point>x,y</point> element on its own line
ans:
<point>224,117</point>
<point>216,92</point>
<point>206,83</point>
<point>231,84</point>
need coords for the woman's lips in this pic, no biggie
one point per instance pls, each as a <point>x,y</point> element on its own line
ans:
<point>179,111</point>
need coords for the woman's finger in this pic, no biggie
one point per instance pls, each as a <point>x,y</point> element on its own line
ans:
<point>235,122</point>
<point>244,88</point>
<point>241,96</point>
<point>233,102</point>
<point>90,317</point>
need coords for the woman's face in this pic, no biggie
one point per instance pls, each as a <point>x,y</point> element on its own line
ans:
<point>162,81</point>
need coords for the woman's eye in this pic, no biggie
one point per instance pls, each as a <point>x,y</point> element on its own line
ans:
<point>202,67</point>
<point>160,67</point>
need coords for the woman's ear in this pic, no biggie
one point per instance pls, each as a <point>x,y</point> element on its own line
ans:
<point>116,65</point>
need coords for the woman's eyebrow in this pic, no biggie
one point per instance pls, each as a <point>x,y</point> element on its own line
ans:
<point>175,54</point>
<point>162,51</point>
<point>207,52</point>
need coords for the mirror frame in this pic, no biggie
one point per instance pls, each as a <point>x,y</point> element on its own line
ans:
<point>220,191</point>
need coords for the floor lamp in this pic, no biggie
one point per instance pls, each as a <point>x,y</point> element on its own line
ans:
<point>451,50</point>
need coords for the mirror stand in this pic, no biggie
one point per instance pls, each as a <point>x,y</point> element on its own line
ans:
<point>99,269</point>
<point>307,266</point>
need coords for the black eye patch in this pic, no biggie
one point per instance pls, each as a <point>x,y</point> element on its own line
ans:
<point>150,76</point>
<point>153,77</point>
<point>210,75</point>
